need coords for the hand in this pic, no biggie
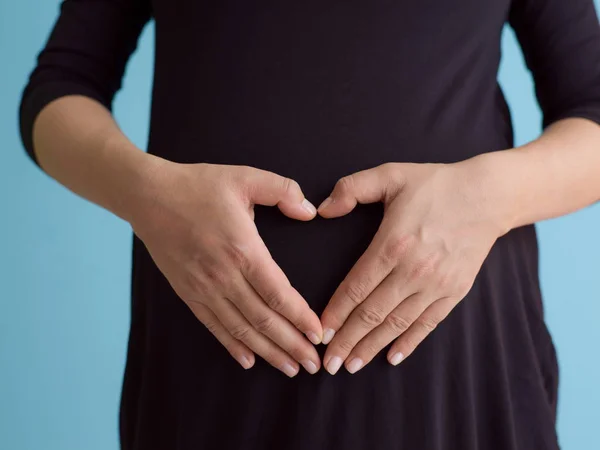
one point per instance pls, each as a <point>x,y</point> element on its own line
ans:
<point>199,228</point>
<point>437,229</point>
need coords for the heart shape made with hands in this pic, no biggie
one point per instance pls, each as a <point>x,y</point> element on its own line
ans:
<point>421,262</point>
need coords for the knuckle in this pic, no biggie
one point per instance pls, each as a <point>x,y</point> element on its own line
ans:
<point>345,184</point>
<point>370,317</point>
<point>211,326</point>
<point>396,247</point>
<point>369,349</point>
<point>410,343</point>
<point>275,300</point>
<point>428,323</point>
<point>398,323</point>
<point>215,275</point>
<point>241,176</point>
<point>264,324</point>
<point>290,186</point>
<point>236,254</point>
<point>355,292</point>
<point>345,345</point>
<point>423,268</point>
<point>194,287</point>
<point>253,269</point>
<point>200,242</point>
<point>387,168</point>
<point>393,173</point>
<point>240,332</point>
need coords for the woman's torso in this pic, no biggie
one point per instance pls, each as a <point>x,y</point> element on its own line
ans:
<point>315,91</point>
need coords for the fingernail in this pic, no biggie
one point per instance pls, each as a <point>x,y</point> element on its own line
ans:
<point>289,370</point>
<point>309,206</point>
<point>312,336</point>
<point>310,366</point>
<point>355,364</point>
<point>325,203</point>
<point>334,365</point>
<point>395,360</point>
<point>245,362</point>
<point>327,335</point>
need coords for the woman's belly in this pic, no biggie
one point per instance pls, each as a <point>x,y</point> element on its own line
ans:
<point>316,255</point>
<point>488,370</point>
<point>484,358</point>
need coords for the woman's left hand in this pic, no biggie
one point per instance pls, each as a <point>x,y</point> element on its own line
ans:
<point>440,221</point>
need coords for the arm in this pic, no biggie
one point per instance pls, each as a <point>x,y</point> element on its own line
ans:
<point>78,143</point>
<point>65,113</point>
<point>179,211</point>
<point>560,172</point>
<point>554,175</point>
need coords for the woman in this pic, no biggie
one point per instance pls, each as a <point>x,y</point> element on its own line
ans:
<point>419,270</point>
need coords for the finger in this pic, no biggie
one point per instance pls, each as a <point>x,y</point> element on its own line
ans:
<point>267,188</point>
<point>384,253</point>
<point>421,328</point>
<point>273,325</point>
<point>237,349</point>
<point>241,330</point>
<point>366,186</point>
<point>397,322</point>
<point>369,315</point>
<point>275,289</point>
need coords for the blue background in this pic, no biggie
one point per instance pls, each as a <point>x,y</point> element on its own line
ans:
<point>65,271</point>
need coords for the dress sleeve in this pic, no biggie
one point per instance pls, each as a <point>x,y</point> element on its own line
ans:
<point>560,40</point>
<point>85,54</point>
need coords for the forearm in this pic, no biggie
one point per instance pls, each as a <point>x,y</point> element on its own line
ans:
<point>78,143</point>
<point>554,175</point>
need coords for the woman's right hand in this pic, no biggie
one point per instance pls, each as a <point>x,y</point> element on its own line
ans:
<point>197,223</point>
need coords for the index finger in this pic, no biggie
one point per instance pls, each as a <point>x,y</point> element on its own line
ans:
<point>374,265</point>
<point>273,286</point>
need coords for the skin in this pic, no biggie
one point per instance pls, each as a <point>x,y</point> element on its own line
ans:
<point>196,221</point>
<point>439,224</point>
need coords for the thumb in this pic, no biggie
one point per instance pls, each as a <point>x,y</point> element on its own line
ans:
<point>270,189</point>
<point>366,186</point>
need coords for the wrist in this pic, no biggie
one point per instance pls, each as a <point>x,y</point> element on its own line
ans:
<point>133,177</point>
<point>492,180</point>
